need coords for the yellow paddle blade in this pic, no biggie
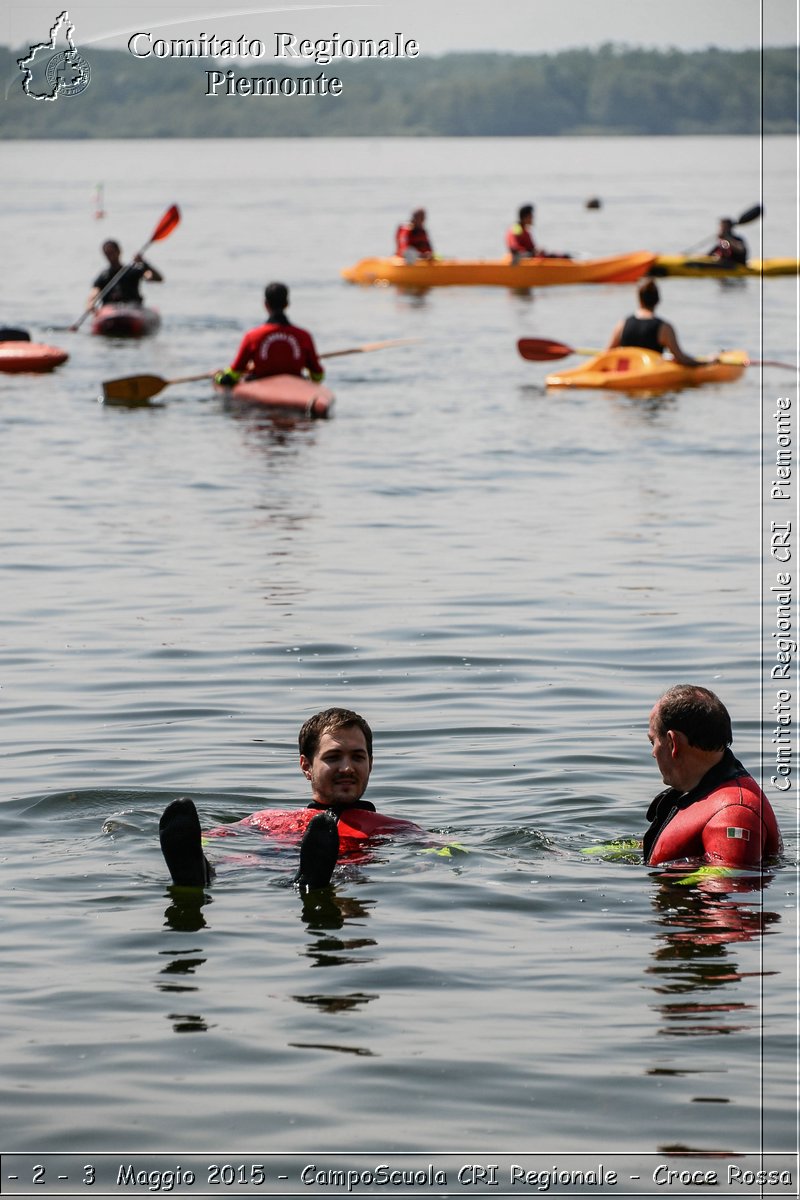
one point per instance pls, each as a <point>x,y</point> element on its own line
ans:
<point>134,389</point>
<point>137,389</point>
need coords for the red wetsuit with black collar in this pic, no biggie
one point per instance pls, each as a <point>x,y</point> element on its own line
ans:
<point>725,819</point>
<point>277,348</point>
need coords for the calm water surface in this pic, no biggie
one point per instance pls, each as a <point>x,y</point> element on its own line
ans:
<point>501,579</point>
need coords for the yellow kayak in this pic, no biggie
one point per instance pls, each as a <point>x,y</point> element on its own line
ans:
<point>630,368</point>
<point>530,272</point>
<point>705,266</point>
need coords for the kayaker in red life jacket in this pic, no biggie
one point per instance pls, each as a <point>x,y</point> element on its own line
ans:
<point>712,807</point>
<point>275,348</point>
<point>411,240</point>
<point>730,249</point>
<point>126,288</point>
<point>336,758</point>
<point>519,239</point>
<point>648,331</point>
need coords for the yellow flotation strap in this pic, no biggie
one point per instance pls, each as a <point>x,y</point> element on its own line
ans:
<point>450,851</point>
<point>623,849</point>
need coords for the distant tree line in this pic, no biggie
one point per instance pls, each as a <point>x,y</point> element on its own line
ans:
<point>611,90</point>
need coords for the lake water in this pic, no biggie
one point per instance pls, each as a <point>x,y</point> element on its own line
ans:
<point>500,579</point>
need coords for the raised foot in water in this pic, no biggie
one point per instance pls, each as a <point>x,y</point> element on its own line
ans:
<point>180,837</point>
<point>319,851</point>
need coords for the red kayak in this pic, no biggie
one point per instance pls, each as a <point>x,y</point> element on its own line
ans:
<point>19,357</point>
<point>125,321</point>
<point>283,393</point>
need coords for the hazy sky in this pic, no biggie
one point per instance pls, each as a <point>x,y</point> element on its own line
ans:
<point>527,26</point>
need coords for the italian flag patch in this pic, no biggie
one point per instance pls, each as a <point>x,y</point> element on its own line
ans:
<point>735,832</point>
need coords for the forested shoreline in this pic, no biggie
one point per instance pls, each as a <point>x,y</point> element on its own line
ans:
<point>613,90</point>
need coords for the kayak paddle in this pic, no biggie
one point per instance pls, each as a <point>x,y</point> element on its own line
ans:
<point>749,214</point>
<point>545,350</point>
<point>770,362</point>
<point>163,229</point>
<point>138,389</point>
<point>368,346</point>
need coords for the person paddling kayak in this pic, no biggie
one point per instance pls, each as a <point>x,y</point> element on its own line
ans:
<point>519,239</point>
<point>126,288</point>
<point>411,239</point>
<point>730,249</point>
<point>275,348</point>
<point>647,330</point>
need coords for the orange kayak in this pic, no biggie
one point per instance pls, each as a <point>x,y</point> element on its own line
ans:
<point>530,272</point>
<point>630,368</point>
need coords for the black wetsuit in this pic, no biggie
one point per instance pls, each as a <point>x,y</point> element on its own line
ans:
<point>642,331</point>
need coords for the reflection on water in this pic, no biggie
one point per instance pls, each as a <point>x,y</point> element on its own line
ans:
<point>181,966</point>
<point>700,924</point>
<point>704,919</point>
<point>324,909</point>
<point>189,1023</point>
<point>185,913</point>
<point>334,1004</point>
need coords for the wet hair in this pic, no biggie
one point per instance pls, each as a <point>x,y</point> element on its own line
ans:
<point>276,297</point>
<point>525,211</point>
<point>329,721</point>
<point>697,713</point>
<point>649,294</point>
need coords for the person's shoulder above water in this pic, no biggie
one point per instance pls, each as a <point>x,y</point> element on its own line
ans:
<point>712,807</point>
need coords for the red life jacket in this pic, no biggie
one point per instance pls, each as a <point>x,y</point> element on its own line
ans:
<point>519,241</point>
<point>409,238</point>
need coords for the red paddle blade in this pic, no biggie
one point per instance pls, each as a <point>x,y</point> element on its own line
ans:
<point>167,224</point>
<point>542,349</point>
